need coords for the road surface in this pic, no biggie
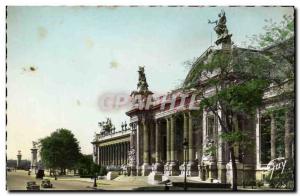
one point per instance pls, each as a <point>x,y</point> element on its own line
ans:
<point>16,181</point>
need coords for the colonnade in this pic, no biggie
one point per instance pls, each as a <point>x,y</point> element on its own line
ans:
<point>113,154</point>
<point>288,136</point>
<point>171,166</point>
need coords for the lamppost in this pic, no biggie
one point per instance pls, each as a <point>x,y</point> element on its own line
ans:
<point>93,171</point>
<point>95,180</point>
<point>185,144</point>
<point>243,158</point>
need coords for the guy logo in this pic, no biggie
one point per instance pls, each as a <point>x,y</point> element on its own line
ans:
<point>276,164</point>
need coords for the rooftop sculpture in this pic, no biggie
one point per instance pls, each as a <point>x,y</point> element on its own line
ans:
<point>142,86</point>
<point>221,29</point>
<point>34,144</point>
<point>106,126</point>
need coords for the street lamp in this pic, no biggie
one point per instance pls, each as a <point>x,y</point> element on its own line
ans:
<point>243,158</point>
<point>95,181</point>
<point>185,144</point>
<point>93,171</point>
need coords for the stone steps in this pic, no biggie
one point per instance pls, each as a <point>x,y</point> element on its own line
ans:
<point>123,178</point>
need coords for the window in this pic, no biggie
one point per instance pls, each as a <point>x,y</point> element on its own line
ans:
<point>210,127</point>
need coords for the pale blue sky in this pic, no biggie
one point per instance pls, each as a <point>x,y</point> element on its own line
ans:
<point>73,49</point>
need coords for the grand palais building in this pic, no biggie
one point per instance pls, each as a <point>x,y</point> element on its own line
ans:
<point>159,139</point>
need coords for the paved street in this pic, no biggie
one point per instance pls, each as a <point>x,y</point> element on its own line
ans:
<point>17,181</point>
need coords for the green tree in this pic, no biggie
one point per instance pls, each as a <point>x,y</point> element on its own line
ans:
<point>87,168</point>
<point>60,150</point>
<point>278,42</point>
<point>239,77</point>
<point>236,93</point>
<point>282,36</point>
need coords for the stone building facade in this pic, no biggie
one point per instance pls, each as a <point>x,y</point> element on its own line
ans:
<point>110,146</point>
<point>153,144</point>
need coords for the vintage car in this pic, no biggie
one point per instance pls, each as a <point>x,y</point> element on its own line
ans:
<point>46,184</point>
<point>31,185</point>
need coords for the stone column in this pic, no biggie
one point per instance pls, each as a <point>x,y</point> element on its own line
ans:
<point>99,155</point>
<point>126,149</point>
<point>158,166</point>
<point>145,167</point>
<point>155,176</point>
<point>133,149</point>
<point>124,153</point>
<point>109,154</point>
<point>289,132</point>
<point>166,166</point>
<point>185,137</point>
<point>113,153</point>
<point>273,137</point>
<point>185,126</point>
<point>221,163</point>
<point>116,154</point>
<point>105,157</point>
<point>19,159</point>
<point>190,139</point>
<point>121,153</point>
<point>138,152</point>
<point>192,166</point>
<point>34,159</point>
<point>173,165</point>
<point>201,166</point>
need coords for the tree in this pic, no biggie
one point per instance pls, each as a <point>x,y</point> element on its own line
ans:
<point>87,168</point>
<point>239,77</point>
<point>60,150</point>
<point>236,93</point>
<point>282,36</point>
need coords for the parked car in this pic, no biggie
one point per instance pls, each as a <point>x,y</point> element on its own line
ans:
<point>40,174</point>
<point>46,184</point>
<point>31,185</point>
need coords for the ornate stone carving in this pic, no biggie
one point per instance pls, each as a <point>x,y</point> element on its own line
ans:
<point>209,154</point>
<point>106,127</point>
<point>132,156</point>
<point>34,144</point>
